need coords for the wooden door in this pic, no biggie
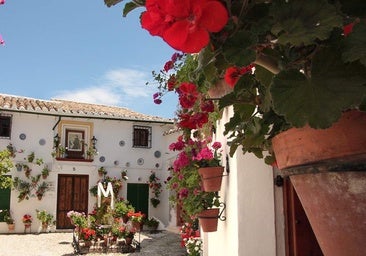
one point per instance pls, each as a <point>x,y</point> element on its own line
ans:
<point>300,237</point>
<point>72,194</point>
<point>138,196</point>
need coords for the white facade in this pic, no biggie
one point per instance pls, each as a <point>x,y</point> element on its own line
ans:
<point>248,192</point>
<point>32,132</point>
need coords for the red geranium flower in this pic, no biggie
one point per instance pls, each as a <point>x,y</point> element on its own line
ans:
<point>184,24</point>
<point>348,29</point>
<point>188,95</point>
<point>233,74</point>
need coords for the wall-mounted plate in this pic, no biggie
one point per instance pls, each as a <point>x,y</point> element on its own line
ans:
<point>42,142</point>
<point>157,154</point>
<point>122,143</point>
<point>140,161</point>
<point>101,159</point>
<point>22,136</point>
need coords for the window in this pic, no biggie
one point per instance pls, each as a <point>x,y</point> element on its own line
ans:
<point>141,136</point>
<point>4,201</point>
<point>5,126</point>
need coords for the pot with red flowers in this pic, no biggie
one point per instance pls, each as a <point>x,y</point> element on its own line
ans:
<point>282,75</point>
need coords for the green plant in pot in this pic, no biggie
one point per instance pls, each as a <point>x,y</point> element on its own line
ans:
<point>288,64</point>
<point>9,220</point>
<point>45,218</point>
<point>121,209</point>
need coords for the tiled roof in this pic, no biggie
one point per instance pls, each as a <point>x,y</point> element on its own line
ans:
<point>72,109</point>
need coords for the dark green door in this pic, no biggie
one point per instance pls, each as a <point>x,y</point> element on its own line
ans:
<point>138,196</point>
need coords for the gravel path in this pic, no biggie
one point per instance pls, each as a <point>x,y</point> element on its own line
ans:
<point>163,243</point>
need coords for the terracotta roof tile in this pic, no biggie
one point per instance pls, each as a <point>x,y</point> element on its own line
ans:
<point>71,108</point>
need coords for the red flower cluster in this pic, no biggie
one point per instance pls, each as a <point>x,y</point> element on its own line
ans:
<point>188,94</point>
<point>188,97</point>
<point>27,218</point>
<point>87,234</point>
<point>184,24</point>
<point>233,74</point>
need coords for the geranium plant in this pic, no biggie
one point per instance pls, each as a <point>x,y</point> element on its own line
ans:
<point>136,216</point>
<point>27,219</point>
<point>87,234</point>
<point>288,63</point>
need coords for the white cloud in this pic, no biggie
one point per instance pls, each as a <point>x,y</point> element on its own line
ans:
<point>120,87</point>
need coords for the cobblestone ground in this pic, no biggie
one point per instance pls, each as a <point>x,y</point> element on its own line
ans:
<point>163,243</point>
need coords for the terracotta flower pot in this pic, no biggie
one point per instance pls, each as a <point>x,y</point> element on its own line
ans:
<point>208,219</point>
<point>211,178</point>
<point>11,227</point>
<point>219,90</point>
<point>301,146</point>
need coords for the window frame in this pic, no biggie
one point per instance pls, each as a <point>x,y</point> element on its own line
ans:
<point>140,141</point>
<point>10,117</point>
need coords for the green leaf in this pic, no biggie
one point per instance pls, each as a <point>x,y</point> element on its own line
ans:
<point>319,100</point>
<point>237,49</point>
<point>129,7</point>
<point>301,22</point>
<point>110,3</point>
<point>265,78</point>
<point>355,45</point>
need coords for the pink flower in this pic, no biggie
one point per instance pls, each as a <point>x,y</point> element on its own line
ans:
<point>183,193</point>
<point>2,42</point>
<point>2,1</point>
<point>216,145</point>
<point>204,154</point>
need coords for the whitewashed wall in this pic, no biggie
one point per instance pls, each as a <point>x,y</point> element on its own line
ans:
<point>109,133</point>
<point>249,228</point>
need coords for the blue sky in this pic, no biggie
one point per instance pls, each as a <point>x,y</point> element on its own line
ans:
<point>80,50</point>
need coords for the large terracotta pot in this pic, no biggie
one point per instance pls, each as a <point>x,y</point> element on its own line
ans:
<point>208,219</point>
<point>301,146</point>
<point>219,90</point>
<point>211,178</point>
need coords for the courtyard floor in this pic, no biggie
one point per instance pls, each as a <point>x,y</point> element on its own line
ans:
<point>163,243</point>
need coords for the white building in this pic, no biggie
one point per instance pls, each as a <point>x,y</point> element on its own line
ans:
<point>124,140</point>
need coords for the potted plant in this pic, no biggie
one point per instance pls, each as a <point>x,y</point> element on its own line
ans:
<point>305,75</point>
<point>42,189</point>
<point>137,219</point>
<point>27,220</point>
<point>9,220</point>
<point>155,187</point>
<point>45,218</point>
<point>27,170</point>
<point>122,208</point>
<point>124,175</point>
<point>23,187</point>
<point>30,157</point>
<point>102,171</point>
<point>45,172</point>
<point>152,223</point>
